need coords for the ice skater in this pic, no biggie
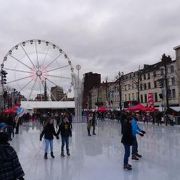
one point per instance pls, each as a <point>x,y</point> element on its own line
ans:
<point>65,130</point>
<point>127,140</point>
<point>48,133</point>
<point>89,123</point>
<point>94,123</point>
<point>136,130</point>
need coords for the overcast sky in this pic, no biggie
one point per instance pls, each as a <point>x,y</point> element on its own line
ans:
<point>104,36</point>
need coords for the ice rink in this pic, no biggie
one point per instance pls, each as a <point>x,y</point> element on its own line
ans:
<point>100,157</point>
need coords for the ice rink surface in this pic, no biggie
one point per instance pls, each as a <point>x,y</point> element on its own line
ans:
<point>100,157</point>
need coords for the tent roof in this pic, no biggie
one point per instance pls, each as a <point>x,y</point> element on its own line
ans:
<point>47,104</point>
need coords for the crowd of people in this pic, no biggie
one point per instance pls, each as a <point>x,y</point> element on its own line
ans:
<point>60,124</point>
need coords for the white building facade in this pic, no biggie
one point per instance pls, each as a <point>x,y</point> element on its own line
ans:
<point>136,86</point>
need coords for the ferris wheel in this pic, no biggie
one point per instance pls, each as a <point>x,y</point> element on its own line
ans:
<point>35,66</point>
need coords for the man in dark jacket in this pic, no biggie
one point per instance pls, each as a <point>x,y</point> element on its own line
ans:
<point>94,123</point>
<point>10,167</point>
<point>127,140</point>
<point>65,130</point>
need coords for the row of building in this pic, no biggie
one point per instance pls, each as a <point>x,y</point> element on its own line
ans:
<point>160,81</point>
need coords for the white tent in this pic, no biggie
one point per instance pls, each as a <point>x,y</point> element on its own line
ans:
<point>47,104</point>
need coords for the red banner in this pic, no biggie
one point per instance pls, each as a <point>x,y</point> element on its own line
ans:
<point>150,99</point>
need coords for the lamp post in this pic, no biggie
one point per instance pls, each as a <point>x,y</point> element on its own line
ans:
<point>106,98</point>
<point>119,78</point>
<point>78,100</point>
<point>3,82</point>
<point>45,91</point>
<point>165,59</point>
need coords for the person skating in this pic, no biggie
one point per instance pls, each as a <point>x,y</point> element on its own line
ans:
<point>94,123</point>
<point>123,117</point>
<point>10,167</point>
<point>127,140</point>
<point>17,124</point>
<point>48,133</point>
<point>136,130</point>
<point>89,123</point>
<point>65,130</point>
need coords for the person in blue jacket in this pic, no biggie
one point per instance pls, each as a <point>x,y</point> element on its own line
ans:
<point>136,130</point>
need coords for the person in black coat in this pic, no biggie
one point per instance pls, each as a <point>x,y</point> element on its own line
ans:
<point>94,122</point>
<point>127,140</point>
<point>123,117</point>
<point>65,130</point>
<point>48,133</point>
<point>10,167</point>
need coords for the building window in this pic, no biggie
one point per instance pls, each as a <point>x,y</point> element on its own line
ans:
<point>132,86</point>
<point>173,93</point>
<point>125,97</point>
<point>140,87</point>
<point>137,96</point>
<point>141,98</point>
<point>172,69</point>
<point>173,80</point>
<point>154,73</point>
<point>125,88</point>
<point>129,86</point>
<point>129,97</point>
<point>149,85</point>
<point>169,93</point>
<point>148,75</point>
<point>144,76</point>
<point>156,97</point>
<point>155,84</point>
<point>145,98</point>
<point>162,71</point>
<point>168,81</point>
<point>145,86</point>
<point>132,96</point>
<point>140,77</point>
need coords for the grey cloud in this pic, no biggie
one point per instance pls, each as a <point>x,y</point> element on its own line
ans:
<point>102,36</point>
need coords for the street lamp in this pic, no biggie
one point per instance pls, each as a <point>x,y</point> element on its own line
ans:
<point>120,78</point>
<point>165,59</point>
<point>78,98</point>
